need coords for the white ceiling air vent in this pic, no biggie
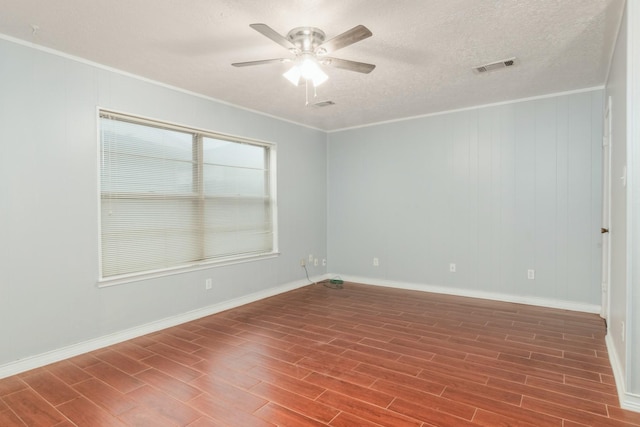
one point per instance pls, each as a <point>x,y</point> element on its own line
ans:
<point>495,65</point>
<point>324,104</point>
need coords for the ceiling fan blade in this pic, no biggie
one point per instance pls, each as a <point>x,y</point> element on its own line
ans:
<point>360,67</point>
<point>260,62</point>
<point>357,33</point>
<point>269,32</point>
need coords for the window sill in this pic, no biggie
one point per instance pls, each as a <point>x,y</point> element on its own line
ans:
<point>137,277</point>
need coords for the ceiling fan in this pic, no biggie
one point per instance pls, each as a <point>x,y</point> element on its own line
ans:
<point>310,50</point>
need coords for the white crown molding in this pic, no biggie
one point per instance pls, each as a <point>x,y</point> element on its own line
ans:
<point>145,79</point>
<point>219,101</point>
<point>472,107</point>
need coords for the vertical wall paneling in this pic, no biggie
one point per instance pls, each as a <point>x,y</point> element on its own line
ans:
<point>486,231</point>
<point>496,190</point>
<point>525,203</point>
<point>507,213</point>
<point>545,186</point>
<point>562,196</point>
<point>579,192</point>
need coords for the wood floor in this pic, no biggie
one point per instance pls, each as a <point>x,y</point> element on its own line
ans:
<point>358,356</point>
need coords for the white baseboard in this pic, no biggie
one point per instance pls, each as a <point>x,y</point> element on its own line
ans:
<point>628,401</point>
<point>57,355</point>
<point>540,302</point>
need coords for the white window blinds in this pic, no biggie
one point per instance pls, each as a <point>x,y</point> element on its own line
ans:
<point>173,197</point>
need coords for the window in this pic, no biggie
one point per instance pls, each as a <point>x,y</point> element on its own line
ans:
<point>173,197</point>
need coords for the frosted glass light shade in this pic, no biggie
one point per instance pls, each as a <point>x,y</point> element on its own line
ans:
<point>293,75</point>
<point>307,69</point>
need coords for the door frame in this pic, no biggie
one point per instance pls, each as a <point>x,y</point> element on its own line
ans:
<point>606,210</point>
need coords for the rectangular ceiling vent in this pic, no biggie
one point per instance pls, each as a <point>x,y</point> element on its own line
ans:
<point>495,65</point>
<point>324,104</point>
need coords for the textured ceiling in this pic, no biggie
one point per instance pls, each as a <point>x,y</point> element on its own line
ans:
<point>423,49</point>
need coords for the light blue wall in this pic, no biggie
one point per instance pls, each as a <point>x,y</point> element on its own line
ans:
<point>616,89</point>
<point>49,203</point>
<point>624,325</point>
<point>495,190</point>
<point>633,144</point>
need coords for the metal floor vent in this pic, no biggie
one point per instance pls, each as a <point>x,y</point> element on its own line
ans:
<point>495,65</point>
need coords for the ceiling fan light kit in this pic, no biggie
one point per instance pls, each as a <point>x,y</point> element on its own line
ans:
<point>307,68</point>
<point>309,47</point>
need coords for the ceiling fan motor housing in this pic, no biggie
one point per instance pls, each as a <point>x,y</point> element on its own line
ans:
<point>306,39</point>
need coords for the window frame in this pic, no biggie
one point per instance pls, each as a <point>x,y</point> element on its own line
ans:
<point>199,134</point>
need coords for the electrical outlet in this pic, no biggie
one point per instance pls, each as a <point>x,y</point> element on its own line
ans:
<point>315,262</point>
<point>531,274</point>
<point>324,262</point>
<point>208,284</point>
<point>302,264</point>
<point>376,262</point>
<point>310,258</point>
<point>452,268</point>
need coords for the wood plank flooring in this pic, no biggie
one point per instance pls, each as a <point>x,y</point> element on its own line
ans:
<point>357,356</point>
